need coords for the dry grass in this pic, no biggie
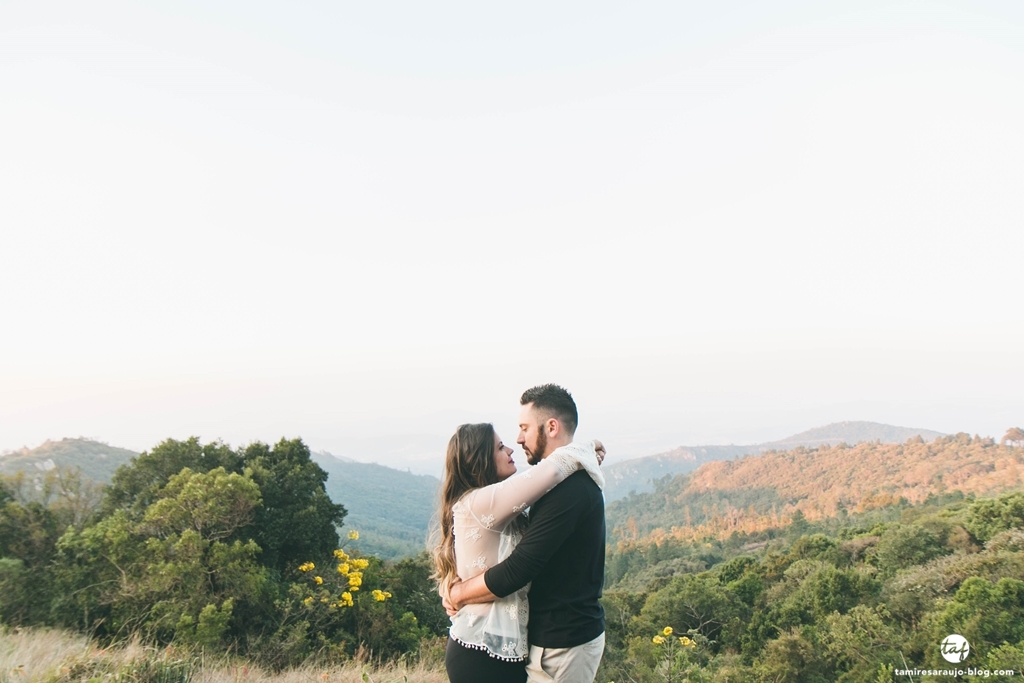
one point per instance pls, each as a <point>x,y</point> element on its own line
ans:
<point>49,656</point>
<point>35,655</point>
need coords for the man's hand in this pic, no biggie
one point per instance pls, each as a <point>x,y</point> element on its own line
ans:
<point>599,449</point>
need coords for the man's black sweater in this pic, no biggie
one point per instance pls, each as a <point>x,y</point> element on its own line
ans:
<point>562,553</point>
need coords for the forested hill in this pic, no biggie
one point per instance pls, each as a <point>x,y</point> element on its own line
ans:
<point>639,474</point>
<point>96,460</point>
<point>390,508</point>
<point>766,491</point>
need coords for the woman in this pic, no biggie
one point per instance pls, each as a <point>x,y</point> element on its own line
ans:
<point>481,520</point>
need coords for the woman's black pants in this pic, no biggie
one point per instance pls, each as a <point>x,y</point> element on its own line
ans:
<point>466,665</point>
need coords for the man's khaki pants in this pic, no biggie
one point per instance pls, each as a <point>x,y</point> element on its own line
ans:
<point>565,664</point>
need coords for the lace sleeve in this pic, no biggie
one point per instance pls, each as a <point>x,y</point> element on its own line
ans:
<point>495,505</point>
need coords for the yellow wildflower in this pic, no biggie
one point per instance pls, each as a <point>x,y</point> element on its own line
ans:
<point>667,631</point>
<point>657,640</point>
<point>686,642</point>
<point>306,566</point>
<point>308,601</point>
<point>353,535</point>
<point>380,596</point>
<point>343,568</point>
<point>319,580</point>
<point>341,554</point>
<point>360,563</point>
<point>346,599</point>
<point>323,599</point>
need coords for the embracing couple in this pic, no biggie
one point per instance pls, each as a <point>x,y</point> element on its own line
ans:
<point>523,591</point>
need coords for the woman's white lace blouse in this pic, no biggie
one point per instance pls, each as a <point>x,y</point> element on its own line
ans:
<point>484,537</point>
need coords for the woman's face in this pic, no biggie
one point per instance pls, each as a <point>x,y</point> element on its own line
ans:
<point>503,461</point>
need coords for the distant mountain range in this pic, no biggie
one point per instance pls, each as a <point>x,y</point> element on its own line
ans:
<point>639,474</point>
<point>390,508</point>
<point>765,491</point>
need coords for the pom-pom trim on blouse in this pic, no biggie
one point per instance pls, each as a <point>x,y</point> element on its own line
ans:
<point>484,648</point>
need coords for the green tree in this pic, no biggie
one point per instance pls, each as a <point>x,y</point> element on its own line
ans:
<point>699,603</point>
<point>827,590</point>
<point>1007,657</point>
<point>28,538</point>
<point>986,614</point>
<point>857,644</point>
<point>798,524</point>
<point>214,505</point>
<point>409,582</point>
<point>137,484</point>
<point>905,546</point>
<point>174,574</point>
<point>297,520</point>
<point>989,516</point>
<point>790,658</point>
<point>817,547</point>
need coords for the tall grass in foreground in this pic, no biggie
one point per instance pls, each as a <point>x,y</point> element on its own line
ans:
<point>51,656</point>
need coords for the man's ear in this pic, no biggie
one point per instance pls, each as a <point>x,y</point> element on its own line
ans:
<point>553,426</point>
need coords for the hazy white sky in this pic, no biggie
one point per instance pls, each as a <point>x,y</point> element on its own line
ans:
<point>711,221</point>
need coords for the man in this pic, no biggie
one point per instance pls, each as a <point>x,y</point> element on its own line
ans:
<point>562,553</point>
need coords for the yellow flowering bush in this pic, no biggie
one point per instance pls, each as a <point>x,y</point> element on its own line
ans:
<point>348,579</point>
<point>347,601</point>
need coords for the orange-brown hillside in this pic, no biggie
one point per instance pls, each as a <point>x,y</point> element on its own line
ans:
<point>763,491</point>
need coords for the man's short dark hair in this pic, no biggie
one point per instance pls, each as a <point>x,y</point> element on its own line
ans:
<point>556,402</point>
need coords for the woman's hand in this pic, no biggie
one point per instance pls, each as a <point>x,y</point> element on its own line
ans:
<point>599,449</point>
<point>449,602</point>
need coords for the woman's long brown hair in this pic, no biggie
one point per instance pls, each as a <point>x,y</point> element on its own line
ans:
<point>469,464</point>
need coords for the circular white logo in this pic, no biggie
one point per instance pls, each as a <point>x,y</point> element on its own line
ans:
<point>955,648</point>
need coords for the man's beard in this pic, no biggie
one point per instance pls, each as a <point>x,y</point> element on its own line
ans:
<point>535,456</point>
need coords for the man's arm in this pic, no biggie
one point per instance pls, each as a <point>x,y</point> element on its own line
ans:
<point>557,518</point>
<point>553,523</point>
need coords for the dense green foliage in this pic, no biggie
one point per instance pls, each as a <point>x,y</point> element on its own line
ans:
<point>204,546</point>
<point>840,600</point>
<point>392,508</point>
